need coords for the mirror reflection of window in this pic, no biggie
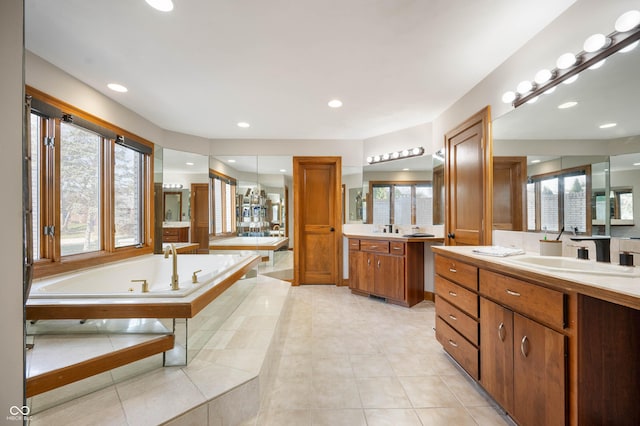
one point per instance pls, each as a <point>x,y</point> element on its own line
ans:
<point>402,203</point>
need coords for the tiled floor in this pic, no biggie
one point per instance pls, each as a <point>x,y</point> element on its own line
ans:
<point>352,360</point>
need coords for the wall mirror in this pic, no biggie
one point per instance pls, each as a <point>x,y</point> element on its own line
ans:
<point>353,201</point>
<point>571,127</point>
<point>399,192</point>
<point>182,173</point>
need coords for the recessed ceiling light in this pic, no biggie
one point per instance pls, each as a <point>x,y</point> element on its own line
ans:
<point>567,105</point>
<point>282,170</point>
<point>535,161</point>
<point>231,161</point>
<point>117,87</point>
<point>335,103</point>
<point>636,164</point>
<point>243,124</point>
<point>608,125</point>
<point>405,169</point>
<point>189,163</point>
<point>161,5</point>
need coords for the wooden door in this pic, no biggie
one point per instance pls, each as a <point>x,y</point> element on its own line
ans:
<point>496,352</point>
<point>318,226</point>
<point>539,373</point>
<point>509,201</point>
<point>468,182</point>
<point>200,216</point>
<point>389,277</point>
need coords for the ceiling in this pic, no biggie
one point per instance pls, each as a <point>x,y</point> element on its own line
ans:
<point>275,64</point>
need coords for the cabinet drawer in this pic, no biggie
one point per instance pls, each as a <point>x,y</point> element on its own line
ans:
<point>462,351</point>
<point>462,273</point>
<point>458,296</point>
<point>539,303</point>
<point>457,319</point>
<point>396,247</point>
<point>354,244</point>
<point>374,246</point>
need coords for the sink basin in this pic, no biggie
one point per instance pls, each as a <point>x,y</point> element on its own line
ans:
<point>566,264</point>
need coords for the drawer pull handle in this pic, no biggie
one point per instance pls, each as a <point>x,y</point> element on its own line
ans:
<point>524,346</point>
<point>454,270</point>
<point>397,248</point>
<point>373,247</point>
<point>368,262</point>
<point>501,332</point>
<point>451,293</point>
<point>378,264</point>
<point>513,293</point>
<point>453,317</point>
<point>452,343</point>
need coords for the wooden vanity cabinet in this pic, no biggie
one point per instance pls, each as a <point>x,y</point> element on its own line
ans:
<point>393,270</point>
<point>523,362</point>
<point>456,287</point>
<point>175,235</point>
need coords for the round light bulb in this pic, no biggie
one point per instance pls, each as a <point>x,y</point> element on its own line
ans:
<point>508,97</point>
<point>385,157</point>
<point>395,155</point>
<point>543,76</point>
<point>335,103</point>
<point>405,152</point>
<point>524,87</point>
<point>369,159</point>
<point>597,65</point>
<point>533,100</point>
<point>630,47</point>
<point>416,151</point>
<point>595,43</point>
<point>566,60</point>
<point>571,79</point>
<point>550,91</point>
<point>627,21</point>
<point>376,158</point>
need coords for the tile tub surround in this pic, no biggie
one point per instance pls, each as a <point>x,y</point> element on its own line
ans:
<point>220,383</point>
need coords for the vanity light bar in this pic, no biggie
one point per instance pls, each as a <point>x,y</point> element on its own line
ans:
<point>172,186</point>
<point>614,42</point>
<point>396,155</point>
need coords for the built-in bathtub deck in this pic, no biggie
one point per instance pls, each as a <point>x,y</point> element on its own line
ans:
<point>221,383</point>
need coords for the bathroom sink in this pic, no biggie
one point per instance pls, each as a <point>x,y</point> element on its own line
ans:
<point>566,264</point>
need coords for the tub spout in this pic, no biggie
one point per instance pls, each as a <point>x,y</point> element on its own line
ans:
<point>174,270</point>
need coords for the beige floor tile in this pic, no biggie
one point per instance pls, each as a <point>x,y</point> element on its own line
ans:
<point>298,417</point>
<point>370,366</point>
<point>340,417</point>
<point>289,395</point>
<point>445,417</point>
<point>428,391</point>
<point>99,408</point>
<point>489,416</point>
<point>331,366</point>
<point>338,393</point>
<point>213,379</point>
<point>382,392</point>
<point>392,417</point>
<point>294,367</point>
<point>469,394</point>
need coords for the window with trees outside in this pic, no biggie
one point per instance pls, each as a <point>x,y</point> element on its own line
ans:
<point>560,199</point>
<point>222,214</point>
<point>402,203</point>
<point>90,188</point>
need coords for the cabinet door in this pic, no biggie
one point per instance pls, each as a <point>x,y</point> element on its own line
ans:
<point>539,374</point>
<point>389,276</point>
<point>367,272</point>
<point>496,352</point>
<point>355,264</point>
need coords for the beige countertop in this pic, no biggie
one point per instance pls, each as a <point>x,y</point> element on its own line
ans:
<point>392,236</point>
<point>176,224</point>
<point>622,290</point>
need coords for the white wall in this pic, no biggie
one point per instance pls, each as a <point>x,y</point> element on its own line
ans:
<point>11,300</point>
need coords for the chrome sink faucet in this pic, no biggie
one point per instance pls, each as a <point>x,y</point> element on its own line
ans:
<point>174,270</point>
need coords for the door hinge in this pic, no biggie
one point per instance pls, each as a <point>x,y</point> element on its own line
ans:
<point>49,141</point>
<point>49,230</point>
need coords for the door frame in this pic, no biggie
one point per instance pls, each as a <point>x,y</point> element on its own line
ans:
<point>297,208</point>
<point>484,117</point>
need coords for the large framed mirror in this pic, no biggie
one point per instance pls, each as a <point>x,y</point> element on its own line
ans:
<point>590,124</point>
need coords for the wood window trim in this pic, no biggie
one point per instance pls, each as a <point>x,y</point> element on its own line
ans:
<point>51,261</point>
<point>412,183</point>
<point>226,180</point>
<point>572,171</point>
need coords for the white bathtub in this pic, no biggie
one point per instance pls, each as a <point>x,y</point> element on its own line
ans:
<point>114,280</point>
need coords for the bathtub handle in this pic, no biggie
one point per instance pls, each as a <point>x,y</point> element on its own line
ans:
<point>145,285</point>
<point>194,276</point>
